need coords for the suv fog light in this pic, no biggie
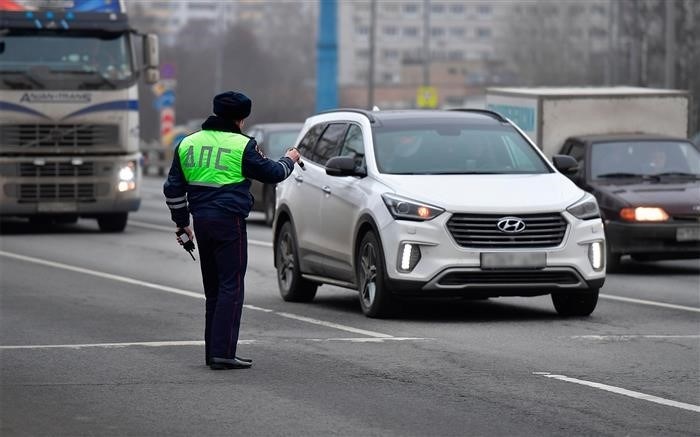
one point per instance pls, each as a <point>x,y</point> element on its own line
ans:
<point>595,255</point>
<point>409,255</point>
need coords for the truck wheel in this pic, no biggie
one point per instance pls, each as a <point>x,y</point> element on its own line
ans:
<point>375,297</point>
<point>112,222</point>
<point>293,288</point>
<point>269,200</point>
<point>575,303</point>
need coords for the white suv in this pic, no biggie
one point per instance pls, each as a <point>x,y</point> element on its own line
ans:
<point>434,203</point>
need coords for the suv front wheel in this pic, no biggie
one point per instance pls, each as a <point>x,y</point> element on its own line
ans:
<point>575,304</point>
<point>375,298</point>
<point>293,288</point>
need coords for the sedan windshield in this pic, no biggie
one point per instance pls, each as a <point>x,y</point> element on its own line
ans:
<point>453,147</point>
<point>644,158</point>
<point>35,61</point>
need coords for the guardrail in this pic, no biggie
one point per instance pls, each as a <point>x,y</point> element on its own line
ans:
<point>156,158</point>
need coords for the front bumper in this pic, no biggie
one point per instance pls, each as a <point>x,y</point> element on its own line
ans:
<point>659,240</point>
<point>56,188</point>
<point>445,268</point>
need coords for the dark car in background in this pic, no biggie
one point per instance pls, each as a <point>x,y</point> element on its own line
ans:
<point>648,190</point>
<point>273,140</point>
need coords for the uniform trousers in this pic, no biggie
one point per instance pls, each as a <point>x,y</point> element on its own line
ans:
<point>223,253</point>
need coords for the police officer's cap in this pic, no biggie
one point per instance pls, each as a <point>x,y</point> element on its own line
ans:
<point>232,105</point>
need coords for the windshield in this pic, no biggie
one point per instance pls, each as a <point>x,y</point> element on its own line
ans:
<point>644,158</point>
<point>65,62</point>
<point>453,147</point>
<point>277,143</point>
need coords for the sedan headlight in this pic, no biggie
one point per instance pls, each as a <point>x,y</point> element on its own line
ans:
<point>586,208</point>
<point>643,214</point>
<point>407,209</point>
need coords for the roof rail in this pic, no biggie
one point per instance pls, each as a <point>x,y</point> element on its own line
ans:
<point>364,112</point>
<point>492,114</point>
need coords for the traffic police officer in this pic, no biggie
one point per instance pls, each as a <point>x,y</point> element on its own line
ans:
<point>209,178</point>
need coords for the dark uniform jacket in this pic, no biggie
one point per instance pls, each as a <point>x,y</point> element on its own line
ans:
<point>221,202</point>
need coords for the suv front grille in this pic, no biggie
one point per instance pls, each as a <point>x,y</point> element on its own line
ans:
<point>480,231</point>
<point>58,135</point>
<point>56,169</point>
<point>29,193</point>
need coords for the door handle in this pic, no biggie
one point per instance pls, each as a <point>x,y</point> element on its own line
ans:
<point>299,178</point>
<point>326,189</point>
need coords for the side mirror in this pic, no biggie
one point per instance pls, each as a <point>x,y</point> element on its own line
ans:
<point>151,58</point>
<point>565,164</point>
<point>343,166</point>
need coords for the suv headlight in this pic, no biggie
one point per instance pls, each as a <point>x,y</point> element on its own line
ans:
<point>407,209</point>
<point>586,208</point>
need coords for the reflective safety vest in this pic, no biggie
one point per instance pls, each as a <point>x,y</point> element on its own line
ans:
<point>212,158</point>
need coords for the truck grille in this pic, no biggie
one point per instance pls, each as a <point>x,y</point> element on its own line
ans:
<point>36,192</point>
<point>480,231</point>
<point>56,169</point>
<point>54,136</point>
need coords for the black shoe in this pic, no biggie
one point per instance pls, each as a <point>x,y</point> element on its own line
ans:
<point>247,360</point>
<point>228,363</point>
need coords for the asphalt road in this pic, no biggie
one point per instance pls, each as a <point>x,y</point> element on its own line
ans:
<point>101,334</point>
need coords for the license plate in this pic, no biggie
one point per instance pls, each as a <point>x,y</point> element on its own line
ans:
<point>688,234</point>
<point>513,260</point>
<point>57,207</point>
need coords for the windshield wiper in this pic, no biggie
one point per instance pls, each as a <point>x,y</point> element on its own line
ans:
<point>24,75</point>
<point>679,174</point>
<point>621,175</point>
<point>93,74</point>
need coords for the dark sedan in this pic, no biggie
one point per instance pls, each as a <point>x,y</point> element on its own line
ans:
<point>273,140</point>
<point>648,190</point>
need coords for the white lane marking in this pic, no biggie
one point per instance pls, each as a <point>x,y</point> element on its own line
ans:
<point>198,343</point>
<point>102,274</point>
<point>367,340</point>
<point>649,302</point>
<point>186,293</point>
<point>623,337</point>
<point>145,225</point>
<point>334,325</point>
<point>622,391</point>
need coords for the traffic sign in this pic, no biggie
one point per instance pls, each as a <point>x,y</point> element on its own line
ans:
<point>427,97</point>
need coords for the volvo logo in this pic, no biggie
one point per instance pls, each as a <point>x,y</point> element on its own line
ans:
<point>511,225</point>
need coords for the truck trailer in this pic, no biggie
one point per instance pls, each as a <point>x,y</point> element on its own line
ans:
<point>551,115</point>
<point>69,124</point>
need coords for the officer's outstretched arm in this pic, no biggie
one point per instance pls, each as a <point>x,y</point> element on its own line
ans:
<point>257,166</point>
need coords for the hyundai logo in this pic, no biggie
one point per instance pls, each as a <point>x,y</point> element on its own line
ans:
<point>511,225</point>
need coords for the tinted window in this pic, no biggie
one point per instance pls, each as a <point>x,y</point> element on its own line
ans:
<point>329,144</point>
<point>644,158</point>
<point>354,145</point>
<point>452,146</point>
<point>307,143</point>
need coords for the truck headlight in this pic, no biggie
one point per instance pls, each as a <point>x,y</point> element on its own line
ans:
<point>407,209</point>
<point>643,214</point>
<point>127,177</point>
<point>585,208</point>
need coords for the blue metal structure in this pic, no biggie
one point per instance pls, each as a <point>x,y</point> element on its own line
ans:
<point>327,56</point>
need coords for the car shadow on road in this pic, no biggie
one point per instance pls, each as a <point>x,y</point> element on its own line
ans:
<point>446,309</point>
<point>24,227</point>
